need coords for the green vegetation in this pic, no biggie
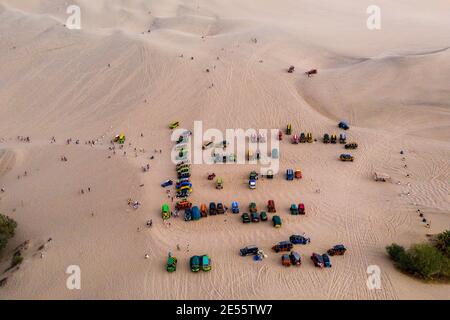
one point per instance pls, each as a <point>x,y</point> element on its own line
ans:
<point>443,242</point>
<point>16,260</point>
<point>7,228</point>
<point>427,261</point>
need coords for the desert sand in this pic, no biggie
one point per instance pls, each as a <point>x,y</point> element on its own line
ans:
<point>129,69</point>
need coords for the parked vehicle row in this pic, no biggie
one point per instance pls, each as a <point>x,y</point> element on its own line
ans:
<point>198,263</point>
<point>195,213</point>
<point>254,217</point>
<point>293,257</point>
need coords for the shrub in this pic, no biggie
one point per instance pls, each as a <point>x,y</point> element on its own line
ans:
<point>16,260</point>
<point>422,260</point>
<point>426,261</point>
<point>396,252</point>
<point>7,228</point>
<point>443,242</point>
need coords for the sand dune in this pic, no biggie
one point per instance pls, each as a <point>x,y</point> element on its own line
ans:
<point>114,76</point>
<point>419,86</point>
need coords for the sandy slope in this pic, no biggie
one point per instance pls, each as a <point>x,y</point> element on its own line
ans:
<point>389,84</point>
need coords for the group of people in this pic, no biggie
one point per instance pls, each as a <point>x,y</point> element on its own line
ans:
<point>88,189</point>
<point>408,175</point>
<point>134,204</point>
<point>424,220</point>
<point>24,175</point>
<point>24,139</point>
